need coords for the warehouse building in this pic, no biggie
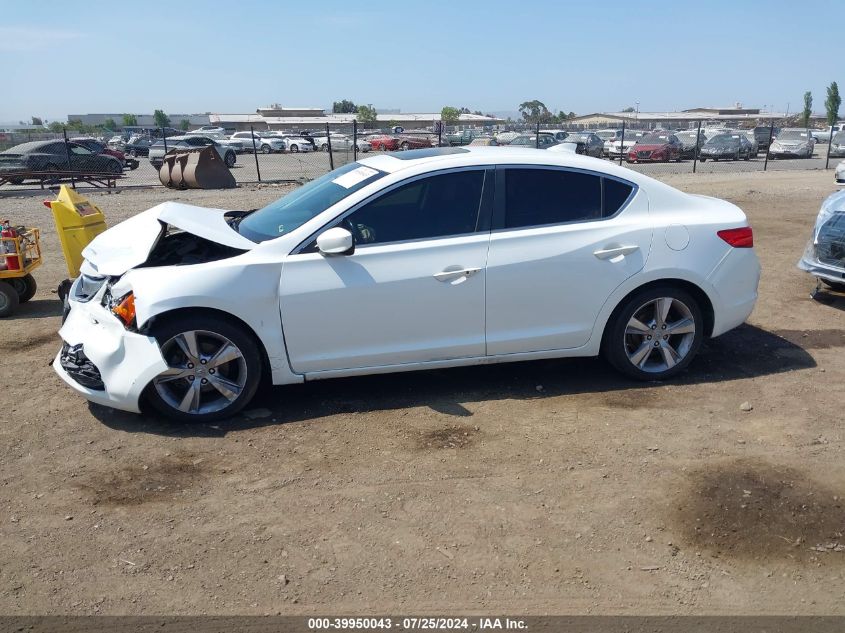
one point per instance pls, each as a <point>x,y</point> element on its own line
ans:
<point>734,116</point>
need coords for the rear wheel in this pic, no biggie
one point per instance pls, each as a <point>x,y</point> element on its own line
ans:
<point>9,299</point>
<point>25,287</point>
<point>324,147</point>
<point>404,147</point>
<point>213,369</point>
<point>655,334</point>
<point>294,148</point>
<point>115,167</point>
<point>265,149</point>
<point>230,159</point>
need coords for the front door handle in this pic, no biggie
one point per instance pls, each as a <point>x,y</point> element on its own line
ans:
<point>446,275</point>
<point>616,251</point>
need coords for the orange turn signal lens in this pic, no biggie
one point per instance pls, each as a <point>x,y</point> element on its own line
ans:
<point>125,309</point>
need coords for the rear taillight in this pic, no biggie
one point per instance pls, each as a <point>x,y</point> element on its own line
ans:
<point>738,238</point>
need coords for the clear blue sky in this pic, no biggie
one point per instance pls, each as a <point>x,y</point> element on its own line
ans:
<point>188,56</point>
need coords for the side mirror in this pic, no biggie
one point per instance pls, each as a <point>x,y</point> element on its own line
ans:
<point>336,241</point>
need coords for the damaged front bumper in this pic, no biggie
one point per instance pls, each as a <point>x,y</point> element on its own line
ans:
<point>103,361</point>
<point>824,256</point>
<point>811,264</point>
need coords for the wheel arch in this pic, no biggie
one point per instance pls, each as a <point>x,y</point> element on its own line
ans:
<point>176,313</point>
<point>698,293</point>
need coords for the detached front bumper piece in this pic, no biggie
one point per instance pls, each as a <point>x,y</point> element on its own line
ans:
<point>103,361</point>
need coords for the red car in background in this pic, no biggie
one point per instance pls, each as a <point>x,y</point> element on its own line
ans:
<point>655,147</point>
<point>392,142</point>
<point>97,147</point>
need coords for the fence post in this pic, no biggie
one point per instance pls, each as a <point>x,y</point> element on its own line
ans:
<point>622,144</point>
<point>354,139</point>
<point>67,154</point>
<point>164,138</point>
<point>329,147</point>
<point>537,136</point>
<point>255,152</point>
<point>697,141</point>
<point>439,133</point>
<point>829,143</point>
<point>769,146</point>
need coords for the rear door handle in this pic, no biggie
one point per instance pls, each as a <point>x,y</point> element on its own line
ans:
<point>616,251</point>
<point>446,275</point>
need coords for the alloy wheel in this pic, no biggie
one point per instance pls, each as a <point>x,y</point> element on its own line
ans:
<point>205,372</point>
<point>659,334</point>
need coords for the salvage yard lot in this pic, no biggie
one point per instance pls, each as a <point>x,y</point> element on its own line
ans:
<point>545,487</point>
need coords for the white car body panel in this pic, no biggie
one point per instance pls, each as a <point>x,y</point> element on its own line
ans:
<point>517,304</point>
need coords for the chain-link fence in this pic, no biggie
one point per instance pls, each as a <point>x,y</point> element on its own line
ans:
<point>43,159</point>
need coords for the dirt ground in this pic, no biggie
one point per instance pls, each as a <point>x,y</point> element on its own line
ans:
<point>545,487</point>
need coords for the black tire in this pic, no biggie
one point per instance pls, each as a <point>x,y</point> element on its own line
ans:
<point>404,146</point>
<point>266,149</point>
<point>115,167</point>
<point>617,341</point>
<point>16,181</point>
<point>294,148</point>
<point>211,325</point>
<point>230,159</point>
<point>9,300</point>
<point>324,147</point>
<point>25,287</point>
<point>703,160</point>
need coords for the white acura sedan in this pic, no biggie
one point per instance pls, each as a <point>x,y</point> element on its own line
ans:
<point>415,260</point>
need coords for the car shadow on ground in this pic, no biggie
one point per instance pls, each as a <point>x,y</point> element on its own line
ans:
<point>37,309</point>
<point>828,297</point>
<point>746,352</point>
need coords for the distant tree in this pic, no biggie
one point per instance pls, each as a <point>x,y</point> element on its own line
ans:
<point>161,119</point>
<point>130,120</point>
<point>184,124</point>
<point>450,115</point>
<point>535,111</point>
<point>343,107</point>
<point>807,112</point>
<point>832,103</point>
<point>366,113</point>
<point>110,124</point>
<point>56,126</point>
<point>629,109</point>
<point>465,110</point>
<point>37,121</point>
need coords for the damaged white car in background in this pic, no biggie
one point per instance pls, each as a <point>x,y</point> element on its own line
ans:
<point>421,259</point>
<point>824,256</point>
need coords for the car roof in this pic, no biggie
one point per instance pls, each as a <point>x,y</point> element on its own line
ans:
<point>445,157</point>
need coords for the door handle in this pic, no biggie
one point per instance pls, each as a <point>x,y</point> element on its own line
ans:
<point>616,251</point>
<point>446,275</point>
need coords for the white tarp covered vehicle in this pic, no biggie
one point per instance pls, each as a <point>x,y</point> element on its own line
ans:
<point>824,256</point>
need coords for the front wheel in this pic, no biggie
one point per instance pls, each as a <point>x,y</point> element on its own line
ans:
<point>294,148</point>
<point>213,369</point>
<point>230,159</point>
<point>655,334</point>
<point>405,146</point>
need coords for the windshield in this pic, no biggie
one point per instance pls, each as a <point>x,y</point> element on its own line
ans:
<point>655,139</point>
<point>839,138</point>
<point>290,212</point>
<point>792,135</point>
<point>723,139</point>
<point>576,137</point>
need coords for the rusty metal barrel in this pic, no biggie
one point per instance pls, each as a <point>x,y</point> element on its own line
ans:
<point>195,169</point>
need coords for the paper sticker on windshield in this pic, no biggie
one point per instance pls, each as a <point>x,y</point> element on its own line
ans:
<point>352,178</point>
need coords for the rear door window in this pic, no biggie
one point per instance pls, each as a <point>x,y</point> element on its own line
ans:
<point>538,197</point>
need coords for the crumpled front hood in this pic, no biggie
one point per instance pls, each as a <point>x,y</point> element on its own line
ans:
<point>128,244</point>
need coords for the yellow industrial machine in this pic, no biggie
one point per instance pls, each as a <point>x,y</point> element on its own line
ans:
<point>20,254</point>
